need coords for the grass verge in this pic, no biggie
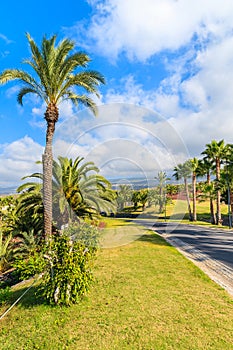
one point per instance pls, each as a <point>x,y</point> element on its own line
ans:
<point>146,296</point>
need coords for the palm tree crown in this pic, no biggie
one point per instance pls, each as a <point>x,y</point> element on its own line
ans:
<point>56,74</point>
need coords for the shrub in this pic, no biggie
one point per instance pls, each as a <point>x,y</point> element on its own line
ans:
<point>30,266</point>
<point>5,295</point>
<point>68,274</point>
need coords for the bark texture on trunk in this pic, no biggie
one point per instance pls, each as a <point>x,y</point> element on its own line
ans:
<point>51,116</point>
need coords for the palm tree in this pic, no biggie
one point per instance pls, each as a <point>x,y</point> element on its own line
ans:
<point>5,251</point>
<point>78,191</point>
<point>194,166</point>
<point>162,179</point>
<point>29,209</point>
<point>135,199</point>
<point>143,197</point>
<point>183,171</point>
<point>216,152</point>
<point>124,194</point>
<point>55,80</point>
<point>205,167</point>
<point>209,192</point>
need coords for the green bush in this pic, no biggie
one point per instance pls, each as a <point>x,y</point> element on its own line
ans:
<point>5,295</point>
<point>68,275</point>
<point>28,267</point>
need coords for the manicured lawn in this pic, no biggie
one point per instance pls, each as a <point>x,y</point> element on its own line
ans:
<point>177,212</point>
<point>147,296</point>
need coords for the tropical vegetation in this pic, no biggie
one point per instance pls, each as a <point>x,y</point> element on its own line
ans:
<point>57,72</point>
<point>146,295</point>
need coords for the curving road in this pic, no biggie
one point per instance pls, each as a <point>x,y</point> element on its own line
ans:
<point>217,244</point>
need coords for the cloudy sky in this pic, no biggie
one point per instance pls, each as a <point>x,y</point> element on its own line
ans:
<point>168,66</point>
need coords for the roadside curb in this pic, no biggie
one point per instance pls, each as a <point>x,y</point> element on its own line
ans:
<point>218,272</point>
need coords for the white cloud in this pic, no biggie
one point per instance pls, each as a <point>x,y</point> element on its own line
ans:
<point>125,140</point>
<point>142,29</point>
<point>17,160</point>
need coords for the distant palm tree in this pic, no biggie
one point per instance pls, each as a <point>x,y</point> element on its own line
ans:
<point>124,194</point>
<point>216,152</point>
<point>55,80</point>
<point>205,168</point>
<point>143,195</point>
<point>194,167</point>
<point>208,191</point>
<point>162,180</point>
<point>184,171</point>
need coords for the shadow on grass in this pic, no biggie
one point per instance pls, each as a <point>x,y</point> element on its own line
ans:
<point>154,239</point>
<point>28,299</point>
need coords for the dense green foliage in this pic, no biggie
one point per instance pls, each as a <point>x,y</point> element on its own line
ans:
<point>147,296</point>
<point>68,274</point>
<point>5,294</point>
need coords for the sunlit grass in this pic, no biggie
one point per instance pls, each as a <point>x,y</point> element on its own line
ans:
<point>146,296</point>
<point>177,211</point>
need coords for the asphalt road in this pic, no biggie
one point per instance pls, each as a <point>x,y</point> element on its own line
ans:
<point>217,244</point>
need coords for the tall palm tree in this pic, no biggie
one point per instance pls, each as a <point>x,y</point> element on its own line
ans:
<point>194,166</point>
<point>55,79</point>
<point>205,168</point>
<point>183,171</point>
<point>216,152</point>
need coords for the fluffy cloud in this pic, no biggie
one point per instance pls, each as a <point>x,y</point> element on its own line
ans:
<point>124,140</point>
<point>18,160</point>
<point>144,29</point>
<point>194,42</point>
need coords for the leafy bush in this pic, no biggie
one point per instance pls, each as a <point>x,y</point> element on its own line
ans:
<point>68,275</point>
<point>5,295</point>
<point>28,267</point>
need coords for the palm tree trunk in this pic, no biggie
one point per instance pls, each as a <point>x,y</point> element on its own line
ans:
<point>47,180</point>
<point>219,218</point>
<point>194,197</point>
<point>188,200</point>
<point>51,116</point>
<point>231,202</point>
<point>160,199</point>
<point>212,213</point>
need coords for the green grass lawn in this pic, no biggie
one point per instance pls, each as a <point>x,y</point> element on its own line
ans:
<point>177,212</point>
<point>146,296</point>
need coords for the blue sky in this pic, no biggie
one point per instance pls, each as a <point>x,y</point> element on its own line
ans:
<point>168,66</point>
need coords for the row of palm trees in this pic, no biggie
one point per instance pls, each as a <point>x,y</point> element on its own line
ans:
<point>217,164</point>
<point>126,195</point>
